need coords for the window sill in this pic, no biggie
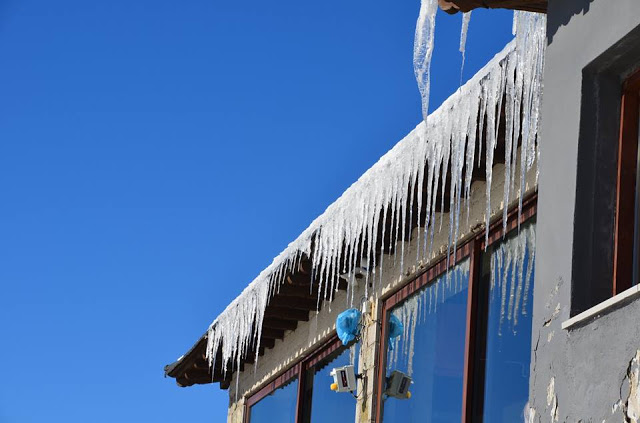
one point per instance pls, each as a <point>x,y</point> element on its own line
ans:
<point>604,307</point>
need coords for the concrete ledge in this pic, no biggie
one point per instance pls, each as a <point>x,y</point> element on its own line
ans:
<point>604,307</point>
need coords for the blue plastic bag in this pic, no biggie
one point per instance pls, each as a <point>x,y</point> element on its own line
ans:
<point>395,329</point>
<point>348,325</point>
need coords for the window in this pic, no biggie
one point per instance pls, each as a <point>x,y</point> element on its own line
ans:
<point>461,331</point>
<point>276,401</point>
<point>605,250</point>
<point>320,403</point>
<point>466,333</point>
<point>627,231</point>
<point>431,350</point>
<point>303,394</point>
<point>505,308</point>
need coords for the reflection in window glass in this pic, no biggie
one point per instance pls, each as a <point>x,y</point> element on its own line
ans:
<point>327,405</point>
<point>431,351</point>
<point>279,406</point>
<point>510,273</point>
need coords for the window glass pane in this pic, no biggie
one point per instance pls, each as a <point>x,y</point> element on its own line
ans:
<point>431,351</point>
<point>327,405</point>
<point>279,406</point>
<point>508,267</point>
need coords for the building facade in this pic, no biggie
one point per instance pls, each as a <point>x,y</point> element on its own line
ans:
<point>493,259</point>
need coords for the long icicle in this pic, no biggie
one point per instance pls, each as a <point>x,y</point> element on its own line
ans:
<point>423,50</point>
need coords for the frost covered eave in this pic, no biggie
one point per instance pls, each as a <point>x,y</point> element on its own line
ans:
<point>455,6</point>
<point>491,119</point>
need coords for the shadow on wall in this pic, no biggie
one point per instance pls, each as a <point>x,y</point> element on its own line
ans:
<point>562,12</point>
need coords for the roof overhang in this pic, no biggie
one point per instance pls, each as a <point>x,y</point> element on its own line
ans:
<point>355,231</point>
<point>298,294</point>
<point>292,304</point>
<point>455,6</point>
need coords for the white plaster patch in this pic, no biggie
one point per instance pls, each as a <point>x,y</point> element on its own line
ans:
<point>529,413</point>
<point>555,313</point>
<point>632,409</point>
<point>617,406</point>
<point>552,399</point>
<point>630,406</point>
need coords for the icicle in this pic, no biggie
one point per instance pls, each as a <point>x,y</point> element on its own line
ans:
<point>522,253</point>
<point>513,280</point>
<point>413,318</point>
<point>466,17</point>
<point>423,50</point>
<point>491,87</point>
<point>507,268</point>
<point>531,249</point>
<point>352,354</point>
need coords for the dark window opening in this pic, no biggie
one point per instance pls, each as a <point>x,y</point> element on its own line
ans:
<point>605,234</point>
<point>626,249</point>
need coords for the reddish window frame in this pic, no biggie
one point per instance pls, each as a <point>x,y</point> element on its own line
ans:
<point>471,249</point>
<point>625,237</point>
<point>298,370</point>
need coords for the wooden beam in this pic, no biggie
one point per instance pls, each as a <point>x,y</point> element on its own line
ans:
<point>294,303</point>
<point>286,313</point>
<point>470,360</point>
<point>195,376</point>
<point>281,324</point>
<point>303,279</point>
<point>224,384</point>
<point>454,6</point>
<point>201,365</point>
<point>299,291</point>
<point>305,266</point>
<point>343,284</point>
<point>266,343</point>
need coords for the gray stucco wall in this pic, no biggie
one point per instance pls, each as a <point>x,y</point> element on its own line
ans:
<point>585,373</point>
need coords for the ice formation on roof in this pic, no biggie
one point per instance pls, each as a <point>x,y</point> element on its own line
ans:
<point>512,264</point>
<point>347,233</point>
<point>466,17</point>
<point>423,50</point>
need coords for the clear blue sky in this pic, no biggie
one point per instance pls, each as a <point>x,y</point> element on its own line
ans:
<point>156,155</point>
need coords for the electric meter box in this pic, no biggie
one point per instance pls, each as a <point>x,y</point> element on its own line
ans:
<point>398,385</point>
<point>344,379</point>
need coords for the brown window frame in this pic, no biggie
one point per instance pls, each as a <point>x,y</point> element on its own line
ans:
<point>473,336</point>
<point>626,234</point>
<point>298,370</point>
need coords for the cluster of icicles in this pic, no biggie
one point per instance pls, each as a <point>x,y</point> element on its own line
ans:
<point>511,275</point>
<point>512,265</point>
<point>346,234</point>
<point>415,311</point>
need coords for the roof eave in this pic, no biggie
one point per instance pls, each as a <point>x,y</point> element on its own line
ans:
<point>455,6</point>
